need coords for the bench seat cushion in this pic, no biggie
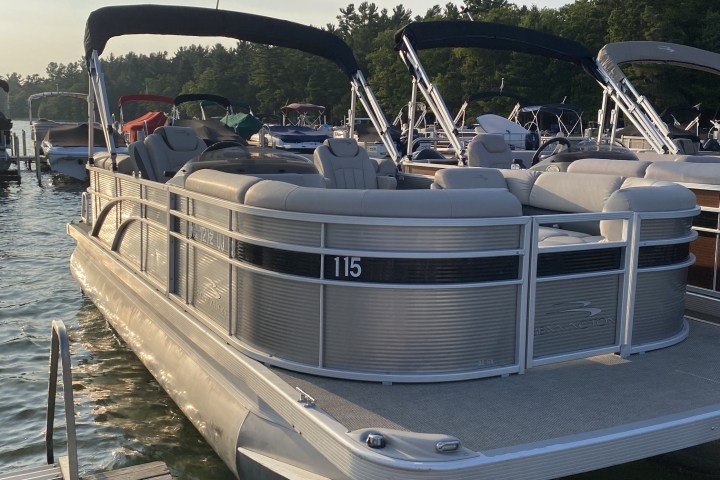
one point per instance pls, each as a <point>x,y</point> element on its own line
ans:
<point>491,202</point>
<point>549,236</point>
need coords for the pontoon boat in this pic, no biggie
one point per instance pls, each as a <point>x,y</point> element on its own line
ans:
<point>329,318</point>
<point>64,144</point>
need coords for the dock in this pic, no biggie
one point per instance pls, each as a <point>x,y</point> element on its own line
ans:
<point>59,471</point>
<point>66,468</point>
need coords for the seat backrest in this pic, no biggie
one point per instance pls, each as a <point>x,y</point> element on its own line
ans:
<point>345,164</point>
<point>687,146</point>
<point>169,148</point>
<point>625,168</point>
<point>138,153</point>
<point>468,177</point>
<point>489,150</point>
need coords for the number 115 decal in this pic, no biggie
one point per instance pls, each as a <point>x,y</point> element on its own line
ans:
<point>347,267</point>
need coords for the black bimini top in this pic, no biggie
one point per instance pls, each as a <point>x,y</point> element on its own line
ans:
<point>199,97</point>
<point>4,85</point>
<point>108,22</point>
<point>495,36</point>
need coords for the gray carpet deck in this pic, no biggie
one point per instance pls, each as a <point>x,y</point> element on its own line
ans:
<point>546,402</point>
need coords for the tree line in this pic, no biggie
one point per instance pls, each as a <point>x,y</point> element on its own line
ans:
<point>266,78</point>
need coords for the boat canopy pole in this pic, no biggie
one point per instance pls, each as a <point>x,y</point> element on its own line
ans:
<point>638,111</point>
<point>351,112</point>
<point>429,91</point>
<point>377,116</point>
<point>411,118</point>
<point>98,89</point>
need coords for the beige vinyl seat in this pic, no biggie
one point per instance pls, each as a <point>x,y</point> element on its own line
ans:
<point>168,149</point>
<point>489,150</point>
<point>346,165</point>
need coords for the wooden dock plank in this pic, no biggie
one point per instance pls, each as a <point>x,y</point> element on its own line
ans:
<point>147,471</point>
<point>45,472</point>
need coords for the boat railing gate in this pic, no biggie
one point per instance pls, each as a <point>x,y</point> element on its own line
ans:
<point>60,348</point>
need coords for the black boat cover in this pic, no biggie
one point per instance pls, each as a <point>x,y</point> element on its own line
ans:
<point>108,22</point>
<point>495,36</point>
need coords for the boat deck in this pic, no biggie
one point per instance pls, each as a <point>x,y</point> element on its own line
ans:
<point>563,400</point>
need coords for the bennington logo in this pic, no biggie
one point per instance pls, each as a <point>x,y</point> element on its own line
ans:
<point>666,48</point>
<point>582,306</point>
<point>588,317</point>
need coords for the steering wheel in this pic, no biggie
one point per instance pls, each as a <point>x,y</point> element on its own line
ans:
<point>561,140</point>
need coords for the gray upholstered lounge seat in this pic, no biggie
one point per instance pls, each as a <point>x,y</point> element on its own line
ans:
<point>168,148</point>
<point>346,165</point>
<point>489,150</point>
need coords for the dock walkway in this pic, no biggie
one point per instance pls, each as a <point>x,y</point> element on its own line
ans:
<point>59,471</point>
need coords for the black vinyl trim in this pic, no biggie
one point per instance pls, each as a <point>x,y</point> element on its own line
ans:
<point>412,271</point>
<point>706,220</point>
<point>661,255</point>
<point>579,261</point>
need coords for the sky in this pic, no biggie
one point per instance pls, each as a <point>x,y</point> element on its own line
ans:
<point>45,31</point>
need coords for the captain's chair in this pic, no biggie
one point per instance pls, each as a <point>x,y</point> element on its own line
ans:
<point>489,150</point>
<point>169,148</point>
<point>346,165</point>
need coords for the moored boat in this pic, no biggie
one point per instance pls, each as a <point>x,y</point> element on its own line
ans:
<point>5,129</point>
<point>333,319</point>
<point>143,125</point>
<point>64,143</point>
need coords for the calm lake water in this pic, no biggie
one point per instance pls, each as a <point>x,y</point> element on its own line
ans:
<point>123,417</point>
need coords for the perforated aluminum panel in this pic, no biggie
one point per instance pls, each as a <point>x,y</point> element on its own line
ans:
<point>420,331</point>
<point>278,316</point>
<point>155,253</point>
<point>423,238</point>
<point>659,306</point>
<point>575,314</point>
<point>279,230</point>
<point>209,291</point>
<point>665,228</point>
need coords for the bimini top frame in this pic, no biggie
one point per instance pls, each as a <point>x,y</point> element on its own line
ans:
<point>108,22</point>
<point>460,116</point>
<point>38,96</point>
<point>494,36</point>
<point>613,55</point>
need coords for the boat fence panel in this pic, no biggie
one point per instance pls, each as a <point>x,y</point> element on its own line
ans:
<point>577,292</point>
<point>663,260</point>
<point>402,299</point>
<point>294,290</point>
